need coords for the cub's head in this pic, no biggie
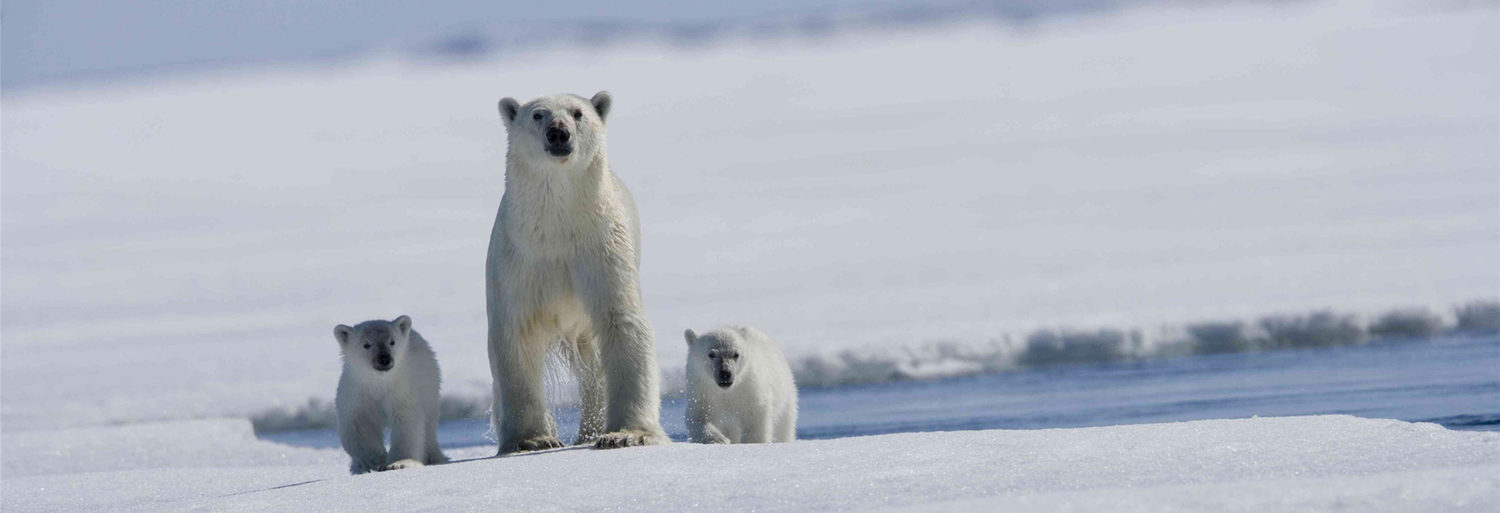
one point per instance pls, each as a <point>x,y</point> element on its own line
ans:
<point>558,129</point>
<point>375,345</point>
<point>715,356</point>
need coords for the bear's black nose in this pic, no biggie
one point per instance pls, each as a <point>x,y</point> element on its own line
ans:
<point>384,361</point>
<point>724,376</point>
<point>557,135</point>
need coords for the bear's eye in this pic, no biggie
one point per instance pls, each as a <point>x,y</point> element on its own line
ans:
<point>367,346</point>
<point>537,116</point>
<point>393,343</point>
<point>577,114</point>
<point>734,356</point>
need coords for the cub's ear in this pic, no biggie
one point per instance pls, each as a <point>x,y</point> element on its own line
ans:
<point>508,109</point>
<point>403,325</point>
<point>342,332</point>
<point>690,336</point>
<point>602,100</point>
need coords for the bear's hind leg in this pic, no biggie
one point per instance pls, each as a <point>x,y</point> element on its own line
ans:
<point>432,411</point>
<point>583,359</point>
<point>434,453</point>
<point>786,427</point>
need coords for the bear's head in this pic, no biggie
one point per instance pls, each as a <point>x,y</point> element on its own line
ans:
<point>715,356</point>
<point>556,130</point>
<point>375,345</point>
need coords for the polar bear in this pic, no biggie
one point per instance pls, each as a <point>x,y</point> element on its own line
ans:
<point>390,377</point>
<point>563,268</point>
<point>740,388</point>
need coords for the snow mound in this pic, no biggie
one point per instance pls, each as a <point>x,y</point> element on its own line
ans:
<point>1263,464</point>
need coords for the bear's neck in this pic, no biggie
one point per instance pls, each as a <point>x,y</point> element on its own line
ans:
<point>554,196</point>
<point>577,177</point>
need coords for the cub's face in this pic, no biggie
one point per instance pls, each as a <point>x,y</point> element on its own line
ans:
<point>378,346</point>
<point>715,356</point>
<point>559,130</point>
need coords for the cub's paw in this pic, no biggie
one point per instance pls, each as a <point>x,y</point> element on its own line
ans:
<point>629,438</point>
<point>400,464</point>
<point>536,443</point>
<point>363,468</point>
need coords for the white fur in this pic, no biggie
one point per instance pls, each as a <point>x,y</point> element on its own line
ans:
<point>563,266</point>
<point>760,405</point>
<point>405,398</point>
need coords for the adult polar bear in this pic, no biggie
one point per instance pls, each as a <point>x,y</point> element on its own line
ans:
<point>563,266</point>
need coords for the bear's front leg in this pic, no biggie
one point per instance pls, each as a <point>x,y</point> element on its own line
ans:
<point>520,413</point>
<point>627,353</point>
<point>758,429</point>
<point>410,432</point>
<point>361,432</point>
<point>632,397</point>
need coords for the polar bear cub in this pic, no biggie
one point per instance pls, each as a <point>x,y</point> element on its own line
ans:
<point>740,388</point>
<point>390,377</point>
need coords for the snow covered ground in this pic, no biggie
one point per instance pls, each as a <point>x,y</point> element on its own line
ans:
<point>178,249</point>
<point>1265,464</point>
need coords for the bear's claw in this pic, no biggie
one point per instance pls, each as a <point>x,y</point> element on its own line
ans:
<point>629,438</point>
<point>539,443</point>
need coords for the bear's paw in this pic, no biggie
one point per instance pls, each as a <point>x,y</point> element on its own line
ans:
<point>400,464</point>
<point>536,443</point>
<point>629,438</point>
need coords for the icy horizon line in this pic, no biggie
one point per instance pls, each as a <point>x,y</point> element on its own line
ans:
<point>1039,348</point>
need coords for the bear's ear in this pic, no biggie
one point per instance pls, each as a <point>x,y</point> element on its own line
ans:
<point>341,333</point>
<point>403,325</point>
<point>509,108</point>
<point>602,100</point>
<point>690,336</point>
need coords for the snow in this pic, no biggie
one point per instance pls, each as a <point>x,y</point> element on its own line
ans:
<point>1262,464</point>
<point>56,41</point>
<point>1463,489</point>
<point>176,251</point>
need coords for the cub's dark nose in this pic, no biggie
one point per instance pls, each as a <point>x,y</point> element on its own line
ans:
<point>725,379</point>
<point>557,136</point>
<point>384,362</point>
